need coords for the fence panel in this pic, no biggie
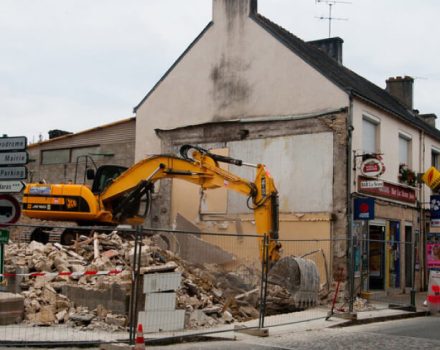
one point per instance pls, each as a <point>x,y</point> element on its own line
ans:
<point>175,283</point>
<point>308,269</point>
<point>54,294</point>
<point>212,281</point>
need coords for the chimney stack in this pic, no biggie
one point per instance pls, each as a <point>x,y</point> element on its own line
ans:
<point>232,9</point>
<point>331,46</point>
<point>402,89</point>
<point>429,118</point>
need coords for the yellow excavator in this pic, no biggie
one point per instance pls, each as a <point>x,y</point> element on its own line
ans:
<point>117,194</point>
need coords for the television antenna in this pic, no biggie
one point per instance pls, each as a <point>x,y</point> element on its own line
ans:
<point>330,18</point>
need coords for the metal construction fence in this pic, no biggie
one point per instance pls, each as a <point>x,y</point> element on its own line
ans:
<point>174,283</point>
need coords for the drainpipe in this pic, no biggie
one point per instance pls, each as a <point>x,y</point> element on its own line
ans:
<point>422,201</point>
<point>349,199</point>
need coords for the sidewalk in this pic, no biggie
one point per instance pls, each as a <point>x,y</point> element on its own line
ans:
<point>310,319</point>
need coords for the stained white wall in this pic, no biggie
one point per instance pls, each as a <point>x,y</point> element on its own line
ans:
<point>236,70</point>
<point>301,165</point>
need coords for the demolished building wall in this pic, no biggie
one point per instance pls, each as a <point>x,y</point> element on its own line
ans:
<point>329,223</point>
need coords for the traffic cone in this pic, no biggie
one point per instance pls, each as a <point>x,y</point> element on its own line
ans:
<point>140,341</point>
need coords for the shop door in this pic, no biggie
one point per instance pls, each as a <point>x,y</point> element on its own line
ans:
<point>376,257</point>
<point>394,251</point>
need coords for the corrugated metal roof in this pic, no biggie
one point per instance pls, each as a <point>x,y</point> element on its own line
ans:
<point>82,133</point>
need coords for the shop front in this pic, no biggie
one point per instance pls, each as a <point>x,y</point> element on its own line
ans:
<point>388,251</point>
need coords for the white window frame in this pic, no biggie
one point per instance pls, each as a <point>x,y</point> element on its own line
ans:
<point>435,157</point>
<point>374,121</point>
<point>403,136</point>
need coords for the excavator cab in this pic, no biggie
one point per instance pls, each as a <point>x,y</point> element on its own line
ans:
<point>104,176</point>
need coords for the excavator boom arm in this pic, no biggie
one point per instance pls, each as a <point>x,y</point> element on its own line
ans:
<point>203,170</point>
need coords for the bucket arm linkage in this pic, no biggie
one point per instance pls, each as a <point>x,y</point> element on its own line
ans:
<point>201,169</point>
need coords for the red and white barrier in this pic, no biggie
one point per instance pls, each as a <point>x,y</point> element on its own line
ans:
<point>63,273</point>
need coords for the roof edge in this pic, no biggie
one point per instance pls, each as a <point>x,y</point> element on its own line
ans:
<point>105,126</point>
<point>262,119</point>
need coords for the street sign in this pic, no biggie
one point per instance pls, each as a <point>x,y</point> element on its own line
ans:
<point>4,236</point>
<point>17,143</point>
<point>9,210</point>
<point>372,184</point>
<point>13,158</point>
<point>13,173</point>
<point>363,209</point>
<point>11,186</point>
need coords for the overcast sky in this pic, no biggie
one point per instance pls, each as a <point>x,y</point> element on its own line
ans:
<point>77,64</point>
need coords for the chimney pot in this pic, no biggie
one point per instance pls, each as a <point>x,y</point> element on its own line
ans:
<point>331,46</point>
<point>402,89</point>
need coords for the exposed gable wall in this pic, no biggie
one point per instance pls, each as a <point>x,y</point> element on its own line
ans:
<point>235,70</point>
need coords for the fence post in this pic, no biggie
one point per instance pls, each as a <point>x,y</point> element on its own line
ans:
<point>135,279</point>
<point>263,287</point>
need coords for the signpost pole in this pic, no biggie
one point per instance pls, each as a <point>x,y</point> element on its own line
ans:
<point>4,239</point>
<point>2,254</point>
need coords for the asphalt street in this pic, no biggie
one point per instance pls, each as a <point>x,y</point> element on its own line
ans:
<point>413,333</point>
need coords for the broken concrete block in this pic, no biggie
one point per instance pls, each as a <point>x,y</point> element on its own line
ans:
<point>117,320</point>
<point>161,282</point>
<point>162,320</point>
<point>46,316</point>
<point>160,301</point>
<point>145,256</point>
<point>11,308</point>
<point>114,298</point>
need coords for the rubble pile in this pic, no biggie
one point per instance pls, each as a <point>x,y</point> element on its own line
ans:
<point>209,294</point>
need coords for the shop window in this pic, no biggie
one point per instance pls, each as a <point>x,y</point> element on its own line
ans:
<point>435,158</point>
<point>370,135</point>
<point>405,149</point>
<point>85,151</point>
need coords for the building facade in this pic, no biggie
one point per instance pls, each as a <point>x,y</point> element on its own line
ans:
<point>248,88</point>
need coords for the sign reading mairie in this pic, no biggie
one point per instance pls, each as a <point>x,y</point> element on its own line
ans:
<point>13,158</point>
